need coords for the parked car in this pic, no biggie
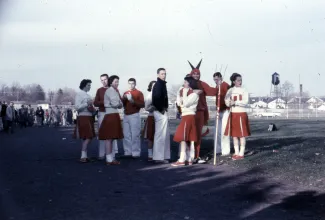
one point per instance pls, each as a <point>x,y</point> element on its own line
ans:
<point>267,114</point>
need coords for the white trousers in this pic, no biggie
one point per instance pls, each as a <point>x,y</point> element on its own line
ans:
<point>101,144</point>
<point>131,132</point>
<point>222,141</point>
<point>161,144</point>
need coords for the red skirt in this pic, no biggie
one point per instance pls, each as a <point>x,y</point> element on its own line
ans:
<point>238,125</point>
<point>149,128</point>
<point>84,128</point>
<point>111,127</point>
<point>186,130</point>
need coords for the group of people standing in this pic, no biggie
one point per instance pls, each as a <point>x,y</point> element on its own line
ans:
<point>10,116</point>
<point>191,99</point>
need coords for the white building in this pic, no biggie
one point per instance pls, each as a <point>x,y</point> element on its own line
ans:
<point>276,103</point>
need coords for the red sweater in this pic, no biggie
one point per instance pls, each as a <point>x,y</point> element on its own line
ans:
<point>99,99</point>
<point>202,105</point>
<point>132,108</point>
<point>223,91</point>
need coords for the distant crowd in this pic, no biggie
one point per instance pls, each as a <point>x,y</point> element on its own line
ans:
<point>26,116</point>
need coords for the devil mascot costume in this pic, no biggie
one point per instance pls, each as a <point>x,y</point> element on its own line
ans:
<point>202,113</point>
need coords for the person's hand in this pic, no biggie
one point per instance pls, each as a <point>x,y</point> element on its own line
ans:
<point>90,102</point>
<point>198,91</point>
<point>131,100</point>
<point>232,103</point>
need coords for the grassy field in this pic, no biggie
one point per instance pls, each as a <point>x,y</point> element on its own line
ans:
<point>295,152</point>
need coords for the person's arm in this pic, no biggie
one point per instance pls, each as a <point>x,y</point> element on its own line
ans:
<point>80,104</point>
<point>148,104</point>
<point>8,115</point>
<point>209,91</point>
<point>191,100</point>
<point>228,101</point>
<point>178,97</point>
<point>124,99</point>
<point>139,100</point>
<point>97,101</point>
<point>156,97</point>
<point>115,99</point>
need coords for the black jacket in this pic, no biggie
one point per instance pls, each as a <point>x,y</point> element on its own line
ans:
<point>160,96</point>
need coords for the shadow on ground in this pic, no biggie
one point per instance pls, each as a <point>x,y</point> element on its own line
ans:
<point>40,178</point>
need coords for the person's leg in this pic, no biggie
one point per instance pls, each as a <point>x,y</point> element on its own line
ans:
<point>135,125</point>
<point>225,140</point>
<point>182,155</point>
<point>242,146</point>
<point>110,160</point>
<point>161,132</point>
<point>127,132</point>
<point>236,145</point>
<point>190,152</point>
<point>150,145</point>
<point>199,121</point>
<point>101,143</point>
<point>84,156</point>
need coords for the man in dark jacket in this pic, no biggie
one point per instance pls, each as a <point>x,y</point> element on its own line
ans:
<point>3,115</point>
<point>161,147</point>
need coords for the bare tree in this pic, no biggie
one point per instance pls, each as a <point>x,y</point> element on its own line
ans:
<point>50,96</point>
<point>287,90</point>
<point>69,95</point>
<point>58,97</point>
<point>34,92</point>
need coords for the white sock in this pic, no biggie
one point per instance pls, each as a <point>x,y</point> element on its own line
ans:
<point>236,149</point>
<point>101,152</point>
<point>182,155</point>
<point>115,146</point>
<point>109,158</point>
<point>150,153</point>
<point>83,154</point>
<point>192,151</point>
<point>242,150</point>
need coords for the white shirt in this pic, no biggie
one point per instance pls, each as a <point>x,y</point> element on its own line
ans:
<point>81,103</point>
<point>112,101</point>
<point>240,96</point>
<point>148,104</point>
<point>188,103</point>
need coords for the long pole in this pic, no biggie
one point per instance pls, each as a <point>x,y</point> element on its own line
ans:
<point>217,122</point>
<point>217,126</point>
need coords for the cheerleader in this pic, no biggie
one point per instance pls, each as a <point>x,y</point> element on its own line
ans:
<point>149,127</point>
<point>85,124</point>
<point>111,127</point>
<point>186,135</point>
<point>237,125</point>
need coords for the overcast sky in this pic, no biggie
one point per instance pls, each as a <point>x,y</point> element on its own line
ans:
<point>57,43</point>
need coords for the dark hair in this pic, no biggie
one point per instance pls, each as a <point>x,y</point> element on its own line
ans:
<point>150,85</point>
<point>233,78</point>
<point>158,70</point>
<point>84,83</point>
<point>192,82</point>
<point>132,80</point>
<point>104,75</point>
<point>217,74</point>
<point>111,79</point>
